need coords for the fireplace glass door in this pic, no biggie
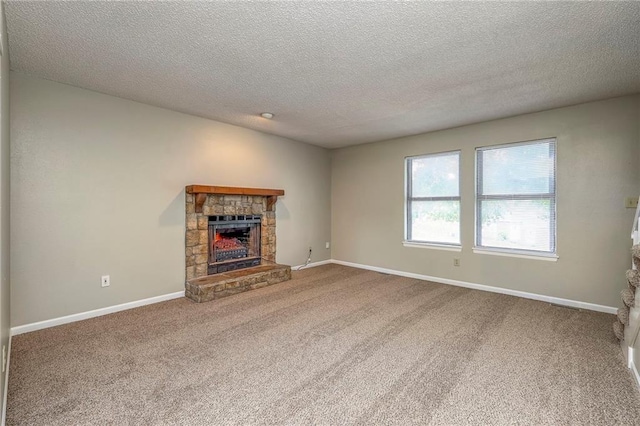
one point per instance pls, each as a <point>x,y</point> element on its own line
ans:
<point>234,242</point>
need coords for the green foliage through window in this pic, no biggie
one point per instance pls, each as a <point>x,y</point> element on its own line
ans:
<point>433,198</point>
<point>515,198</point>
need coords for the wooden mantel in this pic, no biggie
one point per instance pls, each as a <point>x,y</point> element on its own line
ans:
<point>201,191</point>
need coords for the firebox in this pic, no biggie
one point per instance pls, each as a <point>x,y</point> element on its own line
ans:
<point>234,242</point>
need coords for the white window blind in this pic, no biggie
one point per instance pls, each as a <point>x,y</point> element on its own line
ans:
<point>516,196</point>
<point>433,198</point>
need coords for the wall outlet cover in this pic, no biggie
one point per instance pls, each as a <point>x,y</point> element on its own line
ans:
<point>631,202</point>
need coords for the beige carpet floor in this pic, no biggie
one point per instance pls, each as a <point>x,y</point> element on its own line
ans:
<point>335,345</point>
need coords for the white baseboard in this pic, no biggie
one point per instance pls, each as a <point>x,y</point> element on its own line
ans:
<point>524,294</point>
<point>312,264</point>
<point>635,373</point>
<point>633,368</point>
<point>92,314</point>
<point>117,308</point>
<point>6,383</point>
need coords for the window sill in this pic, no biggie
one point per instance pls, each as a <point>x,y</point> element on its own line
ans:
<point>551,257</point>
<point>432,246</point>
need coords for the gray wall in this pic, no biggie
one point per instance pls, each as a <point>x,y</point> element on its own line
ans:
<point>4,198</point>
<point>97,187</point>
<point>597,168</point>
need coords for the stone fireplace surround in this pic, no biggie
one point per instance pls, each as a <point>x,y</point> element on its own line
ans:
<point>203,201</point>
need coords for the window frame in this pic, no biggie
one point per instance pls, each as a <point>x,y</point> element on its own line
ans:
<point>551,196</point>
<point>408,199</point>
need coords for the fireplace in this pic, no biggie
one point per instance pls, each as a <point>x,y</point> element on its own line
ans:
<point>234,242</point>
<point>229,231</point>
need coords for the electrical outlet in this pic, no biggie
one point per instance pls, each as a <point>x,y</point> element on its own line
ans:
<point>4,358</point>
<point>456,262</point>
<point>106,281</point>
<point>631,202</point>
<point>327,245</point>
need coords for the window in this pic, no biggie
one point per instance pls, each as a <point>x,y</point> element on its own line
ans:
<point>516,197</point>
<point>433,198</point>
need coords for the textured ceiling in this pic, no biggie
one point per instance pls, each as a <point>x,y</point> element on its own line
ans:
<point>335,73</point>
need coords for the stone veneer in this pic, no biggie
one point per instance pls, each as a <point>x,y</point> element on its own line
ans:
<point>197,235</point>
<point>227,283</point>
